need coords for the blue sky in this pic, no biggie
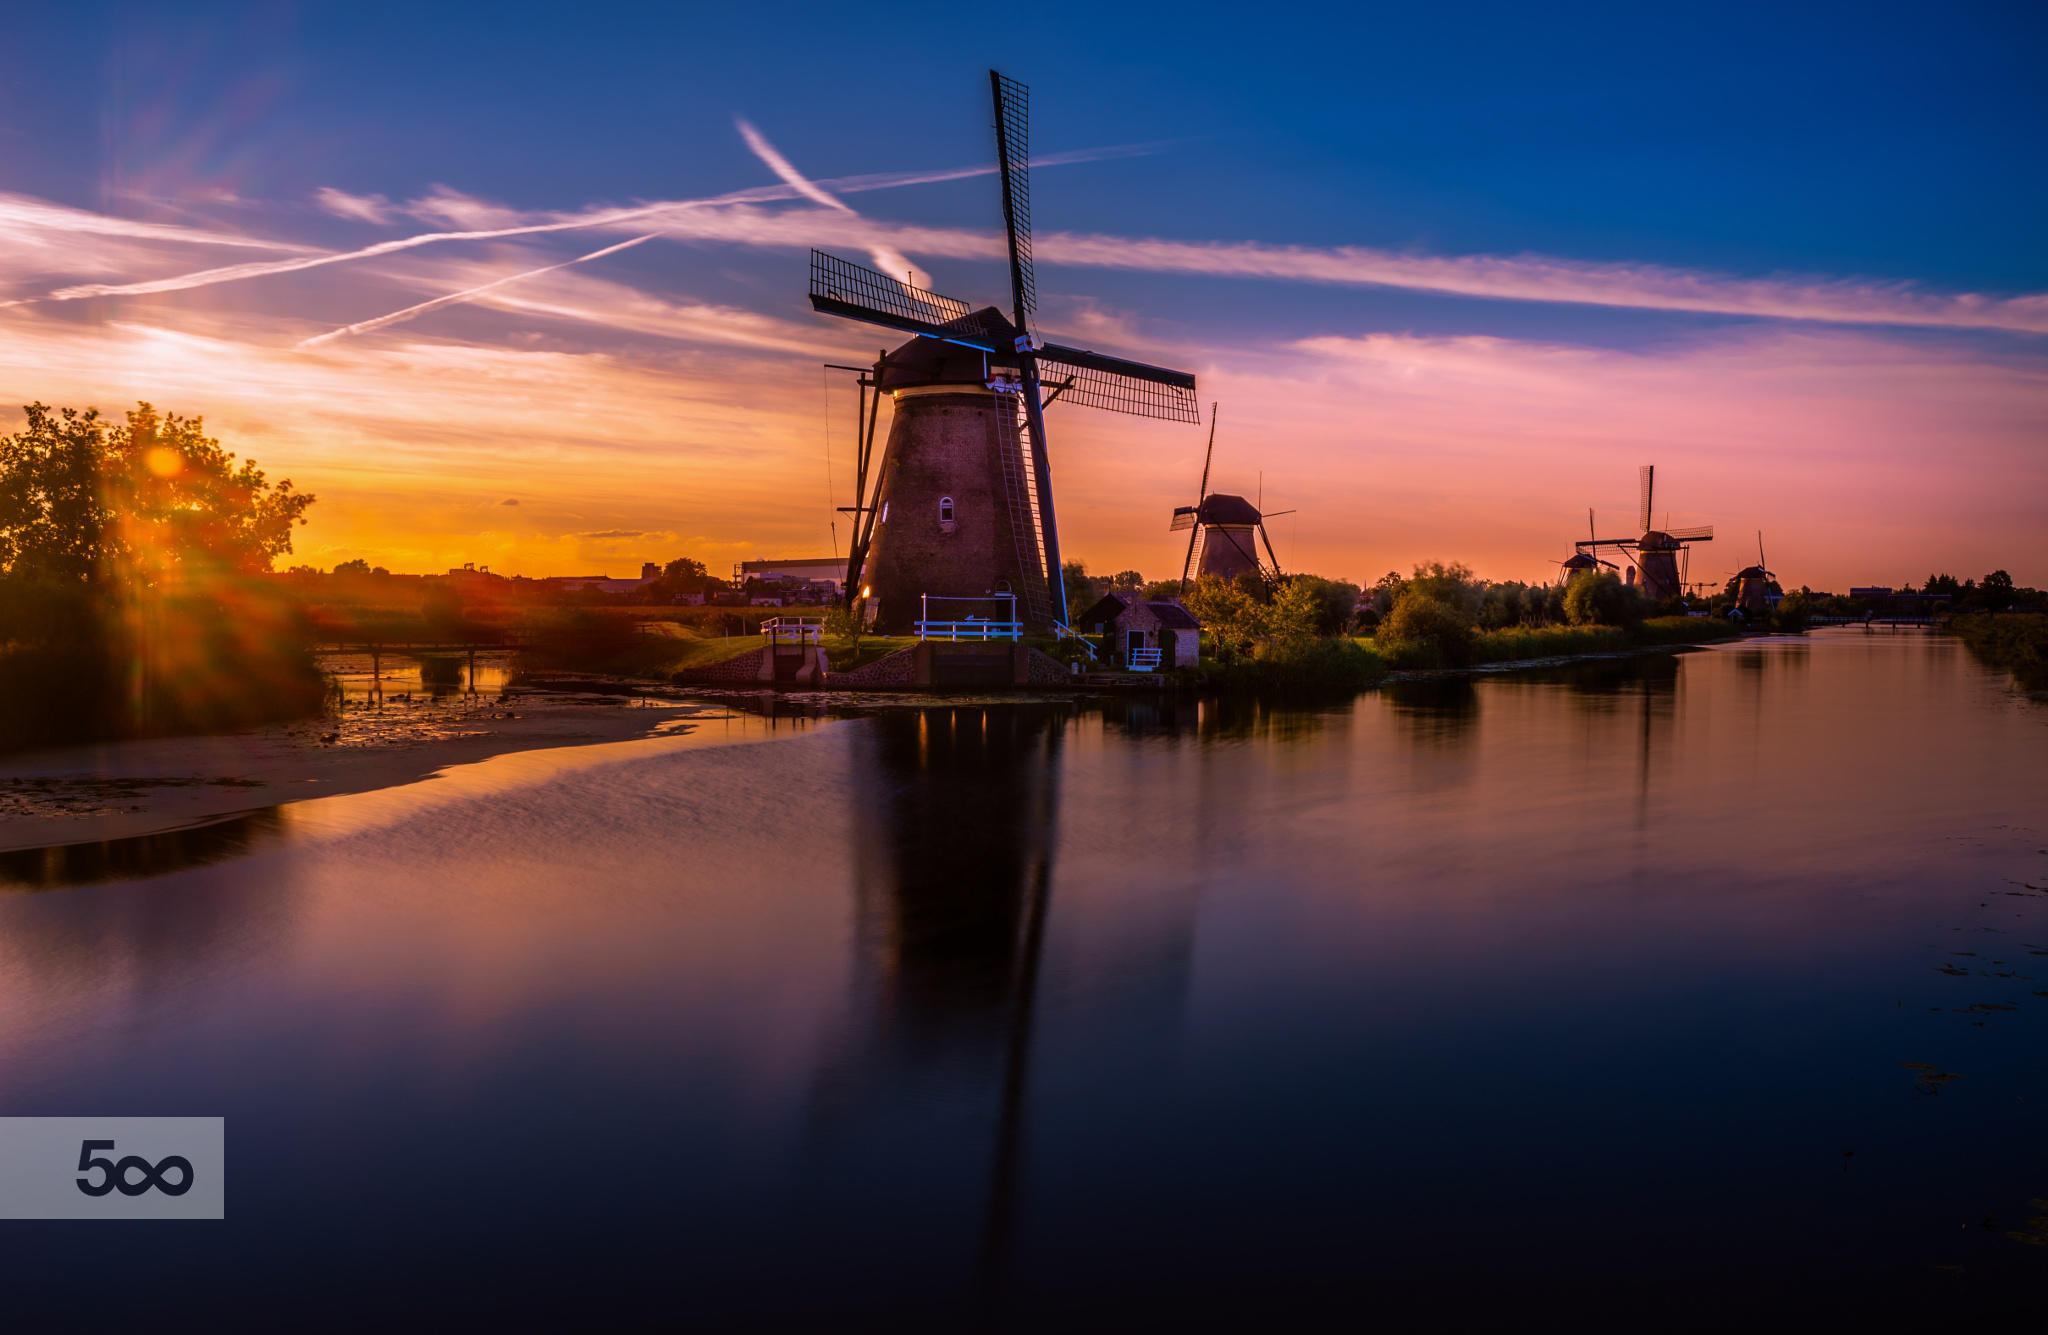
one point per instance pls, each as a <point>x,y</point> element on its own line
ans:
<point>1874,146</point>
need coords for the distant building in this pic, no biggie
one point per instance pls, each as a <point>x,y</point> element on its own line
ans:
<point>1127,624</point>
<point>649,570</point>
<point>1874,594</point>
<point>828,572</point>
<point>598,583</point>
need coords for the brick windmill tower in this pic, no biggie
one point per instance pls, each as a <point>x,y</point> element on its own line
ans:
<point>961,506</point>
<point>1658,552</point>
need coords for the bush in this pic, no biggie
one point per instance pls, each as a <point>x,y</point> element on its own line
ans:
<point>2016,642</point>
<point>1438,632</point>
<point>1319,667</point>
<point>1523,642</point>
<point>1597,598</point>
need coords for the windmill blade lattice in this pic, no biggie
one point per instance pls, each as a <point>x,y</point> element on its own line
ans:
<point>1013,153</point>
<point>841,287</point>
<point>1116,385</point>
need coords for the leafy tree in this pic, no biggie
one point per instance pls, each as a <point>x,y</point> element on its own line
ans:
<point>1997,590</point>
<point>1294,619</point>
<point>142,501</point>
<point>1124,581</point>
<point>1599,598</point>
<point>1235,620</point>
<point>358,566</point>
<point>679,577</point>
<point>1421,618</point>
<point>1452,585</point>
<point>1083,589</point>
<point>1160,590</point>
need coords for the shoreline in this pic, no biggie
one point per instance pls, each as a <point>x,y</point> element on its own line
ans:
<point>119,790</point>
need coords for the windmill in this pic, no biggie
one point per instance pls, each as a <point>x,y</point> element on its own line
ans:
<point>1657,552</point>
<point>961,506</point>
<point>1753,586</point>
<point>1581,561</point>
<point>1221,530</point>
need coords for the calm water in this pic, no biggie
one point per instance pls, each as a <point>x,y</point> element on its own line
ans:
<point>1562,998</point>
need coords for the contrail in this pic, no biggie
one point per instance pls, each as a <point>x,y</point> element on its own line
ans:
<point>610,217</point>
<point>888,260</point>
<point>399,317</point>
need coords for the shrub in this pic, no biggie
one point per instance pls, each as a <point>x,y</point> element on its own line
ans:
<point>2016,642</point>
<point>1440,632</point>
<point>1318,667</point>
<point>1597,598</point>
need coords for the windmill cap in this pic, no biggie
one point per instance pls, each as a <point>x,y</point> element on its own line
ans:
<point>1752,572</point>
<point>1221,509</point>
<point>931,361</point>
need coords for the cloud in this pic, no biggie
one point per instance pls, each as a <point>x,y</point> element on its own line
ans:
<point>467,294</point>
<point>362,208</point>
<point>887,259</point>
<point>509,500</point>
<point>604,534</point>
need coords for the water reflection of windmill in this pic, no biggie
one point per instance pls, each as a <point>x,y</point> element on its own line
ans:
<point>1223,530</point>
<point>961,506</point>
<point>1657,553</point>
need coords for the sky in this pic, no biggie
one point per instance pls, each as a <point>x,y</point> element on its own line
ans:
<point>524,285</point>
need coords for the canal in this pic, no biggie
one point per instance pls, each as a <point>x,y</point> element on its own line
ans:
<point>1669,990</point>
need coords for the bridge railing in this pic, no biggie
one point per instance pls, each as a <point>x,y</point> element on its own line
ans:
<point>974,628</point>
<point>793,630</point>
<point>1144,660</point>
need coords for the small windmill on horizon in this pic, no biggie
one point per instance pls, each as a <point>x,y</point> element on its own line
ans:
<point>1656,554</point>
<point>1223,530</point>
<point>962,503</point>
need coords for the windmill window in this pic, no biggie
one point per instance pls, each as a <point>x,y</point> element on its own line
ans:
<point>945,509</point>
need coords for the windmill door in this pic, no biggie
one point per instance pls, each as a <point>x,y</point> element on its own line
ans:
<point>1134,640</point>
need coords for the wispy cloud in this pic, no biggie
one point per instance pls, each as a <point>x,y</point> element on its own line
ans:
<point>887,259</point>
<point>361,208</point>
<point>468,294</point>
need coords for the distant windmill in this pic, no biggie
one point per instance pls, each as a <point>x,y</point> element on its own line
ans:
<point>1224,531</point>
<point>1656,553</point>
<point>1580,562</point>
<point>961,506</point>
<point>1753,586</point>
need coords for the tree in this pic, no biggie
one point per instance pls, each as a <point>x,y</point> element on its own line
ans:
<point>1160,590</point>
<point>679,577</point>
<point>1294,620</point>
<point>1599,598</point>
<point>1997,590</point>
<point>1421,618</point>
<point>1235,620</point>
<point>356,567</point>
<point>1335,602</point>
<point>1452,585</point>
<point>141,502</point>
<point>1126,581</point>
<point>1082,588</point>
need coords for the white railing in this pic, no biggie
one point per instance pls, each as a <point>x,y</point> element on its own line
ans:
<point>974,628</point>
<point>1069,633</point>
<point>793,630</point>
<point>1144,660</point>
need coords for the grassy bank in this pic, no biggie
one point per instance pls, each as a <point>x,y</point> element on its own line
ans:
<point>1521,643</point>
<point>1321,667</point>
<point>2017,642</point>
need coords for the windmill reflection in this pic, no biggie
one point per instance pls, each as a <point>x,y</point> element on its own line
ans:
<point>956,825</point>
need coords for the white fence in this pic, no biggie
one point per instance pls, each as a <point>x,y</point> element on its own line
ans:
<point>793,630</point>
<point>974,628</point>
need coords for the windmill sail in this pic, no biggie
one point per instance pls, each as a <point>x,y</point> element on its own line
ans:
<point>1649,475</point>
<point>1119,386</point>
<point>841,287</point>
<point>1013,155</point>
